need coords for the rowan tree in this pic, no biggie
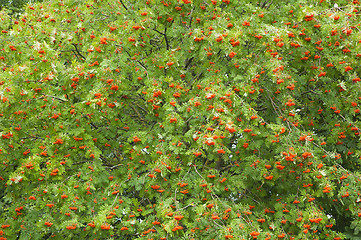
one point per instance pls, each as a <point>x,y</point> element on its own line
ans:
<point>190,119</point>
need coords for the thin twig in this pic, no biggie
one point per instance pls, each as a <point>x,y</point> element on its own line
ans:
<point>121,1</point>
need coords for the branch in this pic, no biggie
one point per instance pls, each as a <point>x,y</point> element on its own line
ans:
<point>141,107</point>
<point>31,137</point>
<point>121,1</point>
<point>115,166</point>
<point>135,110</point>
<point>136,60</point>
<point>60,99</point>
<point>191,18</point>
<point>165,36</point>
<point>188,61</point>
<point>145,68</point>
<point>264,4</point>
<point>166,39</point>
<point>76,49</point>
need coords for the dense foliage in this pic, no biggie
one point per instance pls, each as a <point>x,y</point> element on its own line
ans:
<point>192,119</point>
<point>15,6</point>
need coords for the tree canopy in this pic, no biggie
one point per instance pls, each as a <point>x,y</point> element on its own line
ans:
<point>181,119</point>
